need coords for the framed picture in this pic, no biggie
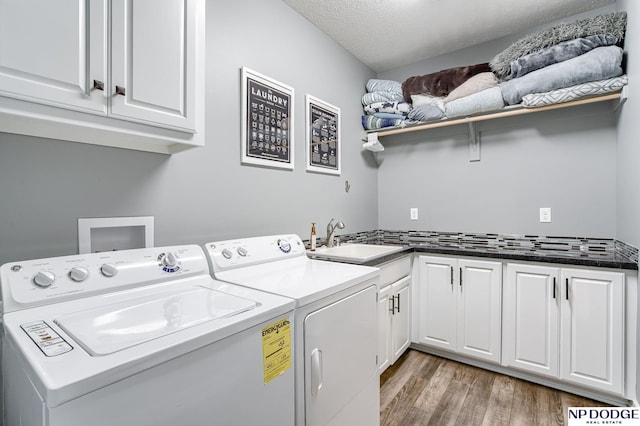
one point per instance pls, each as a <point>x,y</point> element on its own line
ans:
<point>323,136</point>
<point>267,121</point>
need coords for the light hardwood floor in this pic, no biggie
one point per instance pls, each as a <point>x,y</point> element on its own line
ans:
<point>422,389</point>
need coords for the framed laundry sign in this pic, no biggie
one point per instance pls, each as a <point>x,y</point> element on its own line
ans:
<point>267,121</point>
<point>323,136</point>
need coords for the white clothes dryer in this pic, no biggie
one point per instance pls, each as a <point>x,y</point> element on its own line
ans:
<point>142,337</point>
<point>335,323</point>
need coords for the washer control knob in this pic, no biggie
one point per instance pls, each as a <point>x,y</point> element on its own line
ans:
<point>170,260</point>
<point>242,251</point>
<point>44,279</point>
<point>79,274</point>
<point>284,246</point>
<point>109,270</point>
<point>228,254</point>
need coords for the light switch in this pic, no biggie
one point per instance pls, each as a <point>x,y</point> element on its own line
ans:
<point>413,213</point>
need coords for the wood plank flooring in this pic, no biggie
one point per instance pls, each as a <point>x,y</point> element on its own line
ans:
<point>422,389</point>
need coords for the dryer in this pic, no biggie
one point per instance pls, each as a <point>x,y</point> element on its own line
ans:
<point>335,321</point>
<point>142,337</point>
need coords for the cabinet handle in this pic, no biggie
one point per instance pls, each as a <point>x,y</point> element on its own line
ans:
<point>393,305</point>
<point>554,287</point>
<point>460,277</point>
<point>452,276</point>
<point>398,307</point>
<point>566,289</point>
<point>98,85</point>
<point>120,90</point>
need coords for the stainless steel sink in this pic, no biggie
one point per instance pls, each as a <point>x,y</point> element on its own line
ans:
<point>355,253</point>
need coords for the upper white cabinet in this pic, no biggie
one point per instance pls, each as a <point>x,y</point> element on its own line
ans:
<point>121,73</point>
<point>51,52</point>
<point>459,306</point>
<point>566,323</point>
<point>153,59</point>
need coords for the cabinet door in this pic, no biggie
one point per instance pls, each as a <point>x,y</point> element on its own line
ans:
<point>52,51</point>
<point>530,333</point>
<point>154,61</point>
<point>401,318</point>
<point>479,309</point>
<point>384,328</point>
<point>437,302</point>
<point>592,330</point>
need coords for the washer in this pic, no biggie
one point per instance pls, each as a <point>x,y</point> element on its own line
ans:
<point>142,337</point>
<point>335,323</point>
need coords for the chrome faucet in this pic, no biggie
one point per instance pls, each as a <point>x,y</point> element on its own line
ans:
<point>330,230</point>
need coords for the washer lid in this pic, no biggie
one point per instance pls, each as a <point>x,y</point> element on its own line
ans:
<point>108,329</point>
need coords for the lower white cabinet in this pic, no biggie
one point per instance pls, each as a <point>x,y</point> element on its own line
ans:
<point>566,323</point>
<point>400,318</point>
<point>394,311</point>
<point>459,306</point>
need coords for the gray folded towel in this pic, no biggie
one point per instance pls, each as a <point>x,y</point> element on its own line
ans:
<point>598,64</point>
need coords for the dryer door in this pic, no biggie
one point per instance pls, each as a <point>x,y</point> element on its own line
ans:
<point>340,357</point>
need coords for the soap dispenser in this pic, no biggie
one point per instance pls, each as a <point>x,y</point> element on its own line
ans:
<point>312,240</point>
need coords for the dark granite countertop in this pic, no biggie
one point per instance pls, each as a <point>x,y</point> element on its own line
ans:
<point>595,252</point>
<point>602,260</point>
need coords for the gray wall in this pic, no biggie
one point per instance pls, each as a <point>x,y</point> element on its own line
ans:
<point>565,160</point>
<point>628,211</point>
<point>568,161</point>
<point>203,194</point>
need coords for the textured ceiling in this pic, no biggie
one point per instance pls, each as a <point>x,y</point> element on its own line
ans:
<point>385,34</point>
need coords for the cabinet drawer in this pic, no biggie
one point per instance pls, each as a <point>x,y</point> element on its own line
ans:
<point>392,271</point>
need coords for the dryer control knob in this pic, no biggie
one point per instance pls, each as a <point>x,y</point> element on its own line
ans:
<point>44,279</point>
<point>79,273</point>
<point>242,251</point>
<point>284,246</point>
<point>228,254</point>
<point>109,270</point>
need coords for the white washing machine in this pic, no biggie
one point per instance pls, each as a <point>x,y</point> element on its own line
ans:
<point>142,337</point>
<point>335,323</point>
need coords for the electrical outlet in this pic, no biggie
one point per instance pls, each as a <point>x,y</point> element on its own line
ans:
<point>413,213</point>
<point>545,214</point>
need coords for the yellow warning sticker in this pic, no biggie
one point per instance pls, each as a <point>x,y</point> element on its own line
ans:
<point>276,349</point>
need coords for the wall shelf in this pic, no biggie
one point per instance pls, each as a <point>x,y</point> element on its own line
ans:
<point>505,112</point>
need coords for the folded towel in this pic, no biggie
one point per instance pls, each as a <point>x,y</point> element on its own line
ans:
<point>571,93</point>
<point>440,83</point>
<point>475,84</point>
<point>418,100</point>
<point>388,115</point>
<point>484,101</point>
<point>558,53</point>
<point>598,64</point>
<point>614,23</point>
<point>401,107</point>
<point>426,112</point>
<point>374,97</point>
<point>369,122</point>
<point>375,85</point>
